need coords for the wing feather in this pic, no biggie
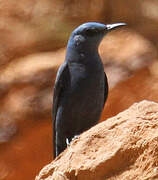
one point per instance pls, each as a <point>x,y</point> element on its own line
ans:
<point>61,82</point>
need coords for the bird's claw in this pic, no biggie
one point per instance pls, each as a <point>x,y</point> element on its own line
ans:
<point>75,137</point>
<point>69,141</point>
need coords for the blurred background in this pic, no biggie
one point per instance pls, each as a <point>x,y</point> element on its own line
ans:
<point>33,37</point>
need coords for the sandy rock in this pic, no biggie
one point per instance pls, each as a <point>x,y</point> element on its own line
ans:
<point>122,147</point>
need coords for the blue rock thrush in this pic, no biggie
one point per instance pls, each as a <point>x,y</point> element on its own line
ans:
<point>81,86</point>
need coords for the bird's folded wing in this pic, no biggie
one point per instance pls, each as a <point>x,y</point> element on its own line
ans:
<point>61,83</point>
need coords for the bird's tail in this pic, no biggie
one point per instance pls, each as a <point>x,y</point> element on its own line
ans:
<point>54,140</point>
<point>54,137</point>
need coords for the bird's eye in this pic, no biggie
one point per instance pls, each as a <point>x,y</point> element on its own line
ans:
<point>90,32</point>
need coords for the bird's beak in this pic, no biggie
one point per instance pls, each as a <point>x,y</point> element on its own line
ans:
<point>113,26</point>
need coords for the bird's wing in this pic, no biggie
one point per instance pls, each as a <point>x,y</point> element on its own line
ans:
<point>61,82</point>
<point>106,88</point>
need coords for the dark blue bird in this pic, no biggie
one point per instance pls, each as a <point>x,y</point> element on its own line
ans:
<point>81,86</point>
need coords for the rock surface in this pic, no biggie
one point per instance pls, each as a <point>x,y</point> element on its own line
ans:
<point>123,147</point>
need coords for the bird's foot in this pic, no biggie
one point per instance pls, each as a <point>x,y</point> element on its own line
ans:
<point>68,142</point>
<point>75,137</point>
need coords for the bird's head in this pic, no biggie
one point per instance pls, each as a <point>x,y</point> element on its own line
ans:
<point>89,35</point>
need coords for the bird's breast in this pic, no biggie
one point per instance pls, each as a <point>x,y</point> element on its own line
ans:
<point>83,75</point>
<point>87,84</point>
